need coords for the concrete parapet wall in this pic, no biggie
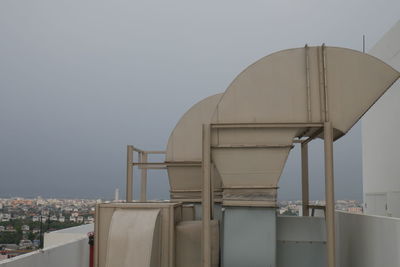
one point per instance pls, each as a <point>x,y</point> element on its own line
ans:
<point>73,252</point>
<point>367,241</point>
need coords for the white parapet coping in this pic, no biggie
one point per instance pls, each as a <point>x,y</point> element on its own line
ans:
<point>66,235</point>
<point>66,248</point>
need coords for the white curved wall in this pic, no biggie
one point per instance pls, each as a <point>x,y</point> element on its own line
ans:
<point>381,138</point>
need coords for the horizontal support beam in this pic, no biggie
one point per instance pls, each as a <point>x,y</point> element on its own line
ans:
<point>168,163</point>
<point>252,146</point>
<point>313,136</point>
<point>251,187</point>
<point>147,151</point>
<point>154,167</point>
<point>192,200</point>
<point>190,190</point>
<point>148,164</point>
<point>266,125</point>
<point>302,241</point>
<point>136,149</point>
<point>250,203</point>
<point>182,162</point>
<point>155,152</point>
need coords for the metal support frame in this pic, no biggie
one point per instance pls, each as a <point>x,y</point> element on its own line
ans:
<point>129,174</point>
<point>327,130</point>
<point>143,165</point>
<point>304,179</point>
<point>267,125</point>
<point>308,83</point>
<point>143,178</point>
<point>329,195</point>
<point>206,197</point>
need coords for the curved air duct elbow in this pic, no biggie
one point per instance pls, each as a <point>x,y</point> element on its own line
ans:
<point>184,151</point>
<point>302,85</point>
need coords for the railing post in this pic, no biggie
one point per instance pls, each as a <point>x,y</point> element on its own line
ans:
<point>129,174</point>
<point>143,178</point>
<point>329,195</point>
<point>304,179</point>
<point>206,197</point>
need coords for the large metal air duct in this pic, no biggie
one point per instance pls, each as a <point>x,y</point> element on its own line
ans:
<point>295,93</point>
<point>285,95</point>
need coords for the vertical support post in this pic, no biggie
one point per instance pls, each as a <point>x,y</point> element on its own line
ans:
<point>143,178</point>
<point>96,232</point>
<point>308,83</point>
<point>329,195</point>
<point>129,174</point>
<point>206,197</point>
<point>212,190</point>
<point>304,179</point>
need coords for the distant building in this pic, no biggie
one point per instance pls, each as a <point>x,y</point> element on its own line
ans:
<point>61,219</point>
<point>35,218</point>
<point>25,227</point>
<point>79,219</point>
<point>40,201</point>
<point>25,243</point>
<point>6,217</point>
<point>357,210</point>
<point>44,218</point>
<point>89,219</point>
<point>10,228</point>
<point>68,209</point>
<point>45,212</point>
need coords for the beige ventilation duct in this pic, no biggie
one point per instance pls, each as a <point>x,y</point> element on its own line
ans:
<point>285,95</point>
<point>133,238</point>
<point>184,153</point>
<point>136,234</point>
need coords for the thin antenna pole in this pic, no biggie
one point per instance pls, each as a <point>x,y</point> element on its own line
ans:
<point>363,43</point>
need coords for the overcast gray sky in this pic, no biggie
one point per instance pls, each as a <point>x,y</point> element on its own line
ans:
<point>81,79</point>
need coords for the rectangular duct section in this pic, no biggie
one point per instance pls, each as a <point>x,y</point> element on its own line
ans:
<point>188,244</point>
<point>136,234</point>
<point>249,236</point>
